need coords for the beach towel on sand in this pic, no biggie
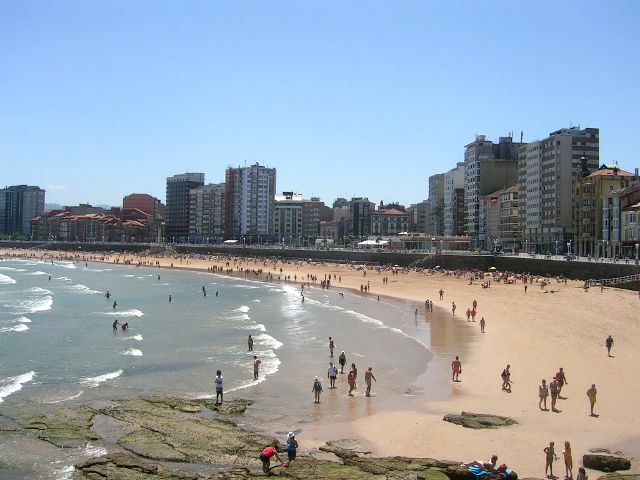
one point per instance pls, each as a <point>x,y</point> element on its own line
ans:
<point>478,471</point>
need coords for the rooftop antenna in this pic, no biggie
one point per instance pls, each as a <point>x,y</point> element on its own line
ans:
<point>521,135</point>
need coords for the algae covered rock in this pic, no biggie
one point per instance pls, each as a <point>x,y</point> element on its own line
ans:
<point>605,463</point>
<point>68,427</point>
<point>123,466</point>
<point>479,420</point>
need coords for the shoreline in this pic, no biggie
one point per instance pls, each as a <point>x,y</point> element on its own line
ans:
<point>535,332</point>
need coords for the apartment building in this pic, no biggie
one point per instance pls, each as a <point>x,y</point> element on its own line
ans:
<point>206,213</point>
<point>18,205</point>
<point>177,210</point>
<point>453,202</point>
<point>436,204</point>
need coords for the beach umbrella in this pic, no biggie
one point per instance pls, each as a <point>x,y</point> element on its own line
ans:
<point>492,268</point>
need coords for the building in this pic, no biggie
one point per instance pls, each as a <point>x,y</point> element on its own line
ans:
<point>617,206</point>
<point>177,209</point>
<point>329,230</point>
<point>206,213</point>
<point>453,202</point>
<point>388,221</point>
<point>509,231</point>
<point>287,224</point>
<point>488,167</point>
<point>436,204</point>
<point>250,203</point>
<point>144,202</point>
<point>311,216</point>
<point>18,205</point>
<point>359,221</point>
<point>587,206</point>
<point>489,221</point>
<point>547,171</point>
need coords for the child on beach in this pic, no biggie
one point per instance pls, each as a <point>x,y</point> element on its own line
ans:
<point>292,445</point>
<point>582,474</point>
<point>568,460</point>
<point>550,456</point>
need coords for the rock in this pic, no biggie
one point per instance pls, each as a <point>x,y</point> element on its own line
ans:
<point>479,420</point>
<point>123,466</point>
<point>605,463</point>
<point>68,427</point>
<point>432,474</point>
<point>619,476</point>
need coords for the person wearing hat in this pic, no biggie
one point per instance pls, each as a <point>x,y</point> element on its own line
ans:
<point>317,389</point>
<point>292,445</point>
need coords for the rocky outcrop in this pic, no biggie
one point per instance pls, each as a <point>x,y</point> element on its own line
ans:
<point>166,438</point>
<point>605,463</point>
<point>479,420</point>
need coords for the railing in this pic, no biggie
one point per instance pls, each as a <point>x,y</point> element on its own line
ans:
<point>617,280</point>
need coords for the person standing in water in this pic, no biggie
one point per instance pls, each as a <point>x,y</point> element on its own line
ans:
<point>332,373</point>
<point>332,345</point>
<point>250,343</point>
<point>169,298</point>
<point>368,375</point>
<point>115,324</point>
<point>456,369</point>
<point>342,360</point>
<point>218,382</point>
<point>317,389</point>
<point>256,367</point>
<point>115,304</point>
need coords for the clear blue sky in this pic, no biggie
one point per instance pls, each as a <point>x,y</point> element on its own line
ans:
<point>102,99</point>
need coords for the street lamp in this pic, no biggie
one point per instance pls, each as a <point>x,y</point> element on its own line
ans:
<point>637,247</point>
<point>556,248</point>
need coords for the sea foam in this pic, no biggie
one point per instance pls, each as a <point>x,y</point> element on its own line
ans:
<point>21,327</point>
<point>134,352</point>
<point>134,312</point>
<point>6,279</point>
<point>11,385</point>
<point>95,381</point>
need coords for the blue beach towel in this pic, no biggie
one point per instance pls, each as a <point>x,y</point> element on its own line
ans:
<point>478,471</point>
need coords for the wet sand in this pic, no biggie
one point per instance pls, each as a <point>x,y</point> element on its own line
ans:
<point>536,333</point>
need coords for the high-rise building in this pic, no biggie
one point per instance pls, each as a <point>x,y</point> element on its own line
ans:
<point>488,167</point>
<point>436,204</point>
<point>311,215</point>
<point>453,211</point>
<point>547,172</point>
<point>250,204</point>
<point>177,209</point>
<point>359,222</point>
<point>287,224</point>
<point>206,213</point>
<point>18,205</point>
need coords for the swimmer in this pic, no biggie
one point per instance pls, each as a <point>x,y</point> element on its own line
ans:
<point>115,304</point>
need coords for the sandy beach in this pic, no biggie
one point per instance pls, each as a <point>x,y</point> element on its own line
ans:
<point>536,332</point>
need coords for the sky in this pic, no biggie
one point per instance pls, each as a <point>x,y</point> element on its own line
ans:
<point>102,99</point>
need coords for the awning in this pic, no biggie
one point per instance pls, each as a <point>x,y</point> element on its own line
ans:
<point>374,242</point>
<point>231,241</point>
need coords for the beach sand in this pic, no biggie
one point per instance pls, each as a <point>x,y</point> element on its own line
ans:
<point>536,333</point>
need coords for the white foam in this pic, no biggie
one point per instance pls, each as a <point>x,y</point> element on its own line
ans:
<point>11,269</point>
<point>65,399</point>
<point>13,384</point>
<point>257,326</point>
<point>94,451</point>
<point>69,265</point>
<point>134,337</point>
<point>134,352</point>
<point>245,286</point>
<point>65,473</point>
<point>39,272</point>
<point>268,341</point>
<point>379,324</point>
<point>33,305</point>
<point>22,320</point>
<point>127,275</point>
<point>97,269</point>
<point>6,280</point>
<point>269,367</point>
<point>40,291</point>
<point>21,327</point>
<point>63,279</point>
<point>79,288</point>
<point>134,312</point>
<point>242,309</point>
<point>95,381</point>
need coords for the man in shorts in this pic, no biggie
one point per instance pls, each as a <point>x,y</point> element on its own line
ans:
<point>332,373</point>
<point>456,369</point>
<point>368,375</point>
<point>609,343</point>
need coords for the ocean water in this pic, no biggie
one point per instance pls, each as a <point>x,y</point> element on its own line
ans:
<point>57,343</point>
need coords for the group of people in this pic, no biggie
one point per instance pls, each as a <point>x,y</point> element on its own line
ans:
<point>551,456</point>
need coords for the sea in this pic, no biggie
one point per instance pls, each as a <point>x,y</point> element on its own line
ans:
<point>58,344</point>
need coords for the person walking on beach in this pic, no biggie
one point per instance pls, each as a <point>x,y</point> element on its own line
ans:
<point>317,389</point>
<point>592,394</point>
<point>543,393</point>
<point>474,304</point>
<point>441,292</point>
<point>256,367</point>
<point>218,382</point>
<point>292,446</point>
<point>368,375</point>
<point>550,456</point>
<point>332,345</point>
<point>351,380</point>
<point>250,343</point>
<point>609,343</point>
<point>553,389</point>
<point>568,460</point>
<point>456,369</point>
<point>468,314</point>
<point>561,380</point>
<point>332,373</point>
<point>342,360</point>
<point>473,315</point>
<point>355,374</point>
<point>265,458</point>
<point>525,288</point>
<point>453,307</point>
<point>482,324</point>
<point>506,379</point>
